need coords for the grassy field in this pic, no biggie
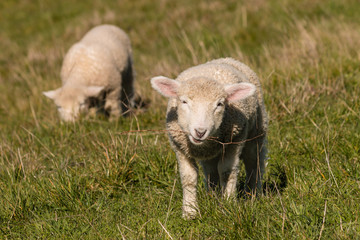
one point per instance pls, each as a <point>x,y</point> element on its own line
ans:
<point>99,179</point>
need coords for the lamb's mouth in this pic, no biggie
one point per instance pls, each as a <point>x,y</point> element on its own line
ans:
<point>196,140</point>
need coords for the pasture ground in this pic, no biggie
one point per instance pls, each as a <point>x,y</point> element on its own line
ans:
<point>99,179</point>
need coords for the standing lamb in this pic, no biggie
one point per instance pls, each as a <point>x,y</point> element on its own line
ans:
<point>96,72</point>
<point>215,116</point>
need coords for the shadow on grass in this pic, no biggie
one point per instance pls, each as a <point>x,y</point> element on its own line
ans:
<point>276,182</point>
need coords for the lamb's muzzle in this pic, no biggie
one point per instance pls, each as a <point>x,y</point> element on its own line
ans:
<point>200,132</point>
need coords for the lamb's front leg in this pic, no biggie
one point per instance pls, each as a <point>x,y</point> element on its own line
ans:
<point>113,103</point>
<point>188,175</point>
<point>228,167</point>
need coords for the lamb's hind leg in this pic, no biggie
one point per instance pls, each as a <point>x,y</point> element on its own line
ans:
<point>254,157</point>
<point>127,85</point>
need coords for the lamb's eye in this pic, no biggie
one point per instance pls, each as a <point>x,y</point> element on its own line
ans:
<point>183,102</point>
<point>220,104</point>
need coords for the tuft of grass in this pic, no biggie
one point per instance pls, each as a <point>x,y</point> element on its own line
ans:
<point>99,179</point>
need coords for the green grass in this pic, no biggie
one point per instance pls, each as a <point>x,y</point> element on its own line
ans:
<point>99,179</point>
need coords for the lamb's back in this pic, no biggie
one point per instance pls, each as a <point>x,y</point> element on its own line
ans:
<point>89,66</point>
<point>221,72</point>
<point>112,38</point>
<point>98,58</point>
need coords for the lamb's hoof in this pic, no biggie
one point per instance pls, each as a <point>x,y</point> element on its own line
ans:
<point>189,213</point>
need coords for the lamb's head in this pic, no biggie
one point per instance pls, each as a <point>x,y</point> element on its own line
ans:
<point>71,101</point>
<point>201,103</point>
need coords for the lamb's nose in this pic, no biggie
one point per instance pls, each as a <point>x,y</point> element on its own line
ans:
<point>200,132</point>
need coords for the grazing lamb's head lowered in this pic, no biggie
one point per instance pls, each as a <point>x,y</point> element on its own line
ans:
<point>201,103</point>
<point>101,60</point>
<point>70,102</point>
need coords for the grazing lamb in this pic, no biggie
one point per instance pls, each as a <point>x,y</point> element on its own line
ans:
<point>96,72</point>
<point>215,116</point>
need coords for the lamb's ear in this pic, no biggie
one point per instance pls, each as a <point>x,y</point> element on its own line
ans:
<point>239,91</point>
<point>166,86</point>
<point>52,94</point>
<point>93,91</point>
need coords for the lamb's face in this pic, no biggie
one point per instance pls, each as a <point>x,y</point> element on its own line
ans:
<point>201,106</point>
<point>70,104</point>
<point>201,103</point>
<point>71,101</point>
